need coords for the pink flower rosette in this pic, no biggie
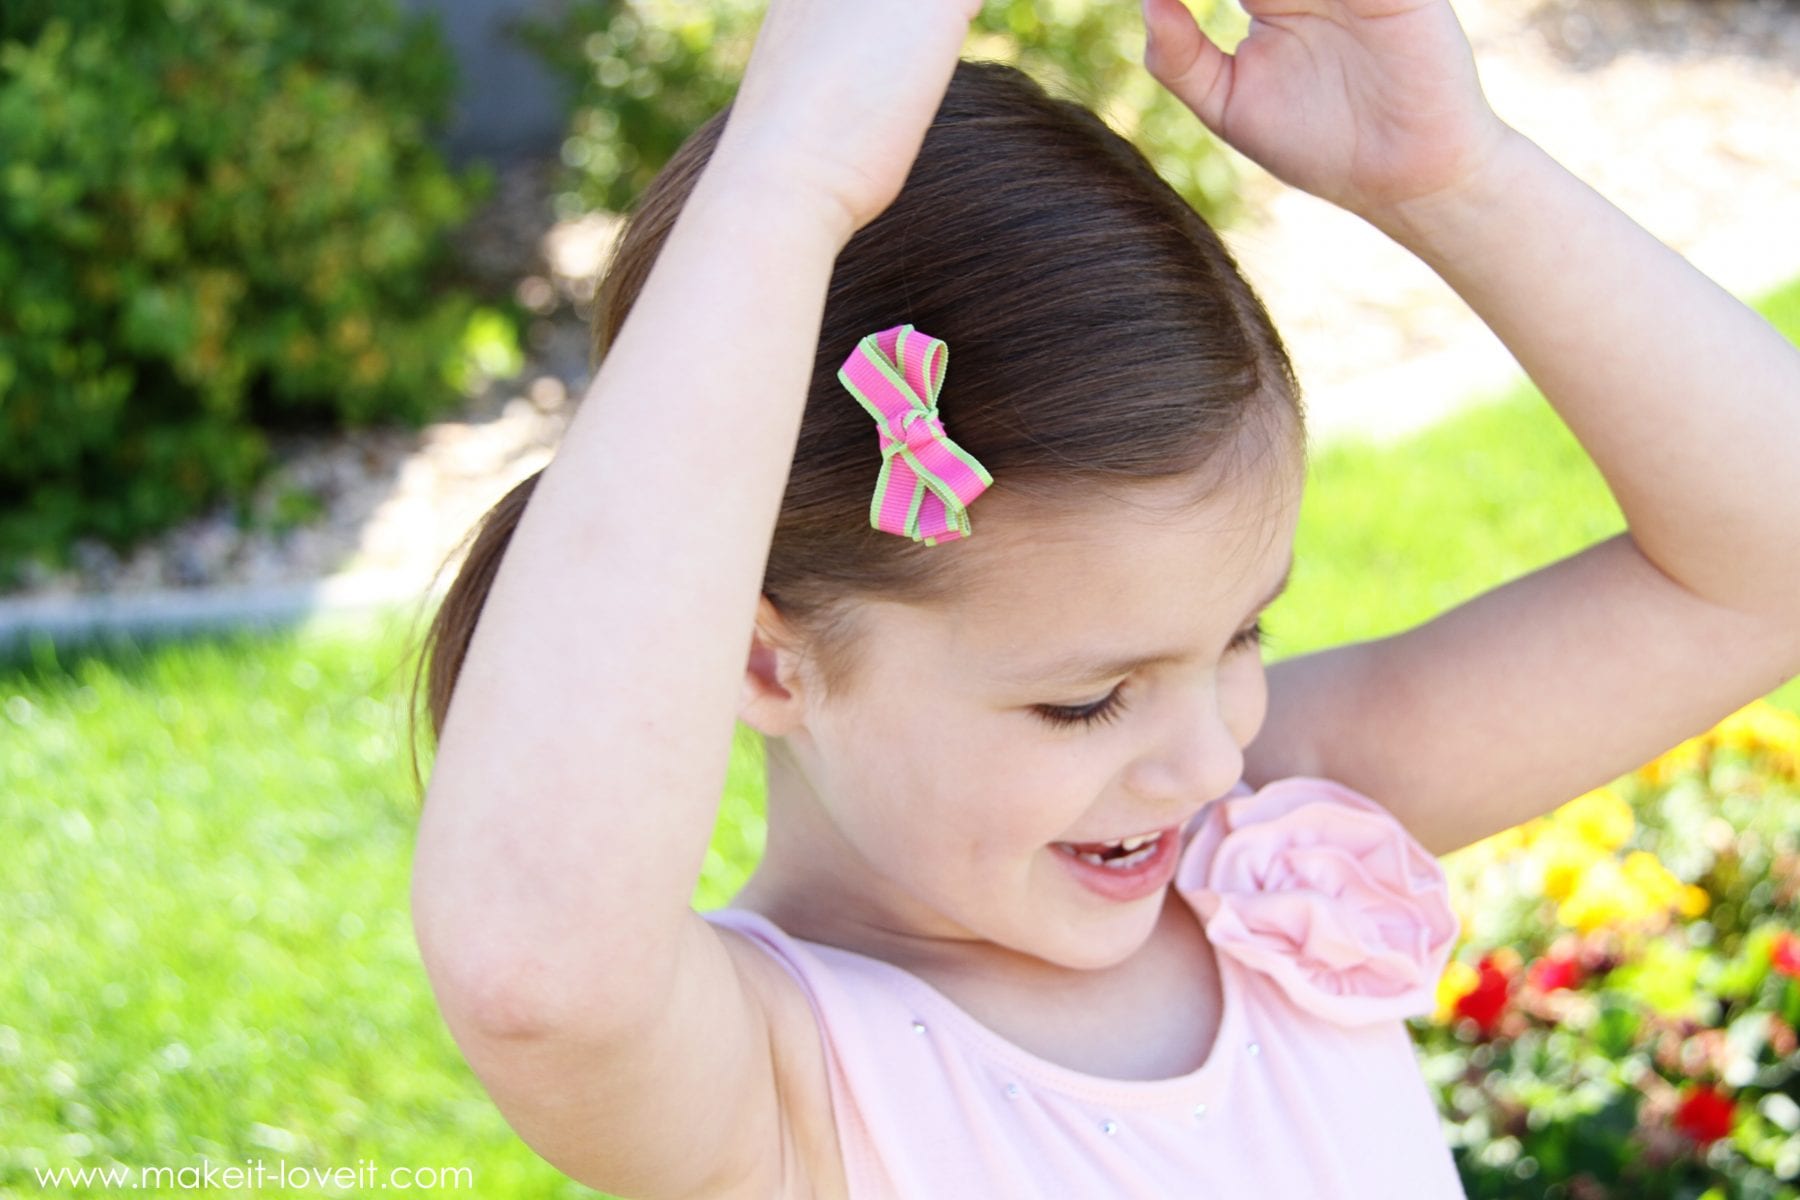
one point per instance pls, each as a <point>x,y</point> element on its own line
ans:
<point>1323,891</point>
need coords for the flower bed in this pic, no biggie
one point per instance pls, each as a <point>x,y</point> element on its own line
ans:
<point>1619,1017</point>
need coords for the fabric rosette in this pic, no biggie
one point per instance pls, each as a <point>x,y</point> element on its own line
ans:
<point>1322,890</point>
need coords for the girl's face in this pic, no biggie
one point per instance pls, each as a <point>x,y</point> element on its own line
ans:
<point>916,819</point>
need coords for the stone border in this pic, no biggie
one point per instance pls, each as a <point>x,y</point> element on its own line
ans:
<point>66,620</point>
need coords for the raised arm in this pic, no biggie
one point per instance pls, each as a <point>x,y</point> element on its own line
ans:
<point>1555,683</point>
<point>585,751</point>
<point>1688,402</point>
<point>1686,399</point>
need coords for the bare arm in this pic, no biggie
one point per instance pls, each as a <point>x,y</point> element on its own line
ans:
<point>1689,403</point>
<point>622,1035</point>
<point>1687,400</point>
<point>585,752</point>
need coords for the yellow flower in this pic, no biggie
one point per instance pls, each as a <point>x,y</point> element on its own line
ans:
<point>1778,732</point>
<point>1564,859</point>
<point>1693,901</point>
<point>1601,817</point>
<point>1457,981</point>
<point>1660,888</point>
<point>1679,760</point>
<point>1787,762</point>
<point>1761,727</point>
<point>1603,897</point>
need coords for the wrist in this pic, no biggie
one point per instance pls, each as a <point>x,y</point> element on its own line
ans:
<point>775,193</point>
<point>1433,224</point>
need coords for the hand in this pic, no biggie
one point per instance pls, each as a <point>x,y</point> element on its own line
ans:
<point>838,94</point>
<point>1370,104</point>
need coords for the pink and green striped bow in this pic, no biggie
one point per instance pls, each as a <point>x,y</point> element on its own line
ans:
<point>927,481</point>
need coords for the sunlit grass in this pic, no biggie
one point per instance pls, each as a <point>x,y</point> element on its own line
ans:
<point>204,903</point>
<point>203,893</point>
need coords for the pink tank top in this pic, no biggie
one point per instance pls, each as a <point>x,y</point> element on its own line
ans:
<point>1330,924</point>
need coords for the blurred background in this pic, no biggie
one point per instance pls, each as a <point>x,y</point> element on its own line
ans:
<point>291,294</point>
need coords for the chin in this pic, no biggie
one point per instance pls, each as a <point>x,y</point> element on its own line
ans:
<point>1097,953</point>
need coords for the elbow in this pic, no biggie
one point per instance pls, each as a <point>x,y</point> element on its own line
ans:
<point>480,985</point>
<point>518,994</point>
<point>488,997</point>
<point>472,961</point>
<point>499,976</point>
<point>505,1006</point>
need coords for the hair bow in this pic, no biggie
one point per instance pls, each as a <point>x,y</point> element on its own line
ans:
<point>927,481</point>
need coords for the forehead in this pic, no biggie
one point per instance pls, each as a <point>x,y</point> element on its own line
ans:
<point>1148,568</point>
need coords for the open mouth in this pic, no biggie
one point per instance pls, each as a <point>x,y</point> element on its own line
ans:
<point>1119,855</point>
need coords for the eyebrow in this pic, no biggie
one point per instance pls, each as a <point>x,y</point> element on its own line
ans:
<point>1082,668</point>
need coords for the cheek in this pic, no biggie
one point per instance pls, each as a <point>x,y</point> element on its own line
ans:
<point>1248,702</point>
<point>979,790</point>
<point>907,799</point>
<point>1033,784</point>
<point>938,793</point>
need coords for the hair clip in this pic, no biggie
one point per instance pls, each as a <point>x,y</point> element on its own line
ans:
<point>927,481</point>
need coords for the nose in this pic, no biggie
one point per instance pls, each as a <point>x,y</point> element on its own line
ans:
<point>1195,756</point>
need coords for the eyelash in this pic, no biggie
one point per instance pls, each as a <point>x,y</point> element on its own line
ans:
<point>1114,704</point>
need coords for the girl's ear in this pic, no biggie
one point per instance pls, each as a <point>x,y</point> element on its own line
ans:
<point>773,698</point>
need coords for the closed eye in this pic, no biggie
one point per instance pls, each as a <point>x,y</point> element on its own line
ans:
<point>1109,708</point>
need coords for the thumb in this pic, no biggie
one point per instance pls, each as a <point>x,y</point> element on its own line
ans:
<point>1184,60</point>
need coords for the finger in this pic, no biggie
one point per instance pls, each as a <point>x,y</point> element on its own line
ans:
<point>1184,60</point>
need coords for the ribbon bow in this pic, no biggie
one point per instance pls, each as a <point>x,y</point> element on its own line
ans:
<point>927,481</point>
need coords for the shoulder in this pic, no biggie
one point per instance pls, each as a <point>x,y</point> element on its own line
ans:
<point>780,972</point>
<point>1321,889</point>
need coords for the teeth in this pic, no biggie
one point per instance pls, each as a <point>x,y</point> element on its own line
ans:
<point>1134,847</point>
<point>1125,862</point>
<point>1137,849</point>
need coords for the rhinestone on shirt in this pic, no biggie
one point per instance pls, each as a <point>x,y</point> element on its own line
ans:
<point>1199,1111</point>
<point>918,1027</point>
<point>1254,1048</point>
<point>1109,1127</point>
<point>1012,1091</point>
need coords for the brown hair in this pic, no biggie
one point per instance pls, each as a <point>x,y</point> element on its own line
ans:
<point>1100,333</point>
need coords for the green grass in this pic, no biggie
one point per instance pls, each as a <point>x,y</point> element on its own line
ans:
<point>208,844</point>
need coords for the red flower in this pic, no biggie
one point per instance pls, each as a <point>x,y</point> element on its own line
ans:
<point>1485,1004</point>
<point>1704,1114</point>
<point>1549,973</point>
<point>1786,957</point>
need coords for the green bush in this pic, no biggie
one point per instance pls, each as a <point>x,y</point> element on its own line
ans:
<point>642,74</point>
<point>216,219</point>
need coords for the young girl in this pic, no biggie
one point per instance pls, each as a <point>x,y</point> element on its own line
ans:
<point>1064,894</point>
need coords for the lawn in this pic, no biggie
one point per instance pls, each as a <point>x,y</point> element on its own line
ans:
<point>205,905</point>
